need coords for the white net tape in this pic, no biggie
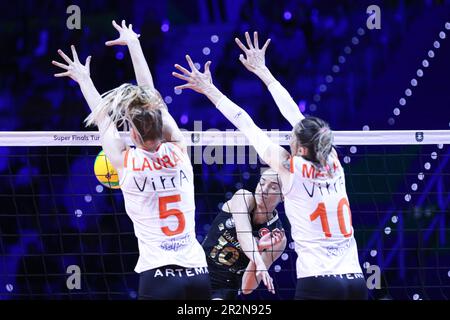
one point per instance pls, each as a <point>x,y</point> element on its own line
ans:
<point>227,138</point>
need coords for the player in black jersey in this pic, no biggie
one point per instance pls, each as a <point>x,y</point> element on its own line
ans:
<point>245,238</point>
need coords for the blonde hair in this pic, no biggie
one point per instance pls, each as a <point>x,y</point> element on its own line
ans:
<point>135,106</point>
<point>316,135</point>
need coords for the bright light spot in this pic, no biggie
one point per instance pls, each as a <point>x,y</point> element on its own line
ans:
<point>168,99</point>
<point>414,187</point>
<point>366,265</point>
<point>408,92</point>
<point>197,65</point>
<point>353,149</point>
<point>442,35</point>
<point>414,82</point>
<point>431,54</point>
<point>373,253</point>
<point>9,287</point>
<point>434,155</point>
<point>407,197</point>
<point>88,198</point>
<point>99,188</point>
<point>284,256</point>
<point>420,176</point>
<point>402,101</point>
<point>396,111</point>
<point>440,146</point>
<point>214,38</point>
<point>419,73</point>
<point>394,219</point>
<point>447,25</point>
<point>436,44</point>
<point>165,26</point>
<point>78,213</point>
<point>292,245</point>
<point>206,51</point>
<point>366,128</point>
<point>416,296</point>
<point>387,230</point>
<point>302,105</point>
<point>177,91</point>
<point>287,15</point>
<point>277,268</point>
<point>184,119</point>
<point>427,166</point>
<point>347,159</point>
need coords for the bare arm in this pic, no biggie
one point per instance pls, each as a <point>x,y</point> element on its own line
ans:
<point>274,155</point>
<point>255,62</point>
<point>112,144</point>
<point>271,246</point>
<point>127,37</point>
<point>239,206</point>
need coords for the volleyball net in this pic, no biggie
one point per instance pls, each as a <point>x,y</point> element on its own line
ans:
<point>57,219</point>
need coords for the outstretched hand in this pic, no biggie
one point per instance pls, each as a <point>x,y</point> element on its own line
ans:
<point>74,69</point>
<point>197,81</point>
<point>126,34</point>
<point>254,56</point>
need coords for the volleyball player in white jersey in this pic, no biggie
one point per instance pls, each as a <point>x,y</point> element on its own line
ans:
<point>156,180</point>
<point>313,184</point>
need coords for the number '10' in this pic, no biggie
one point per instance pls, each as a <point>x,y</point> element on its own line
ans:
<point>321,212</point>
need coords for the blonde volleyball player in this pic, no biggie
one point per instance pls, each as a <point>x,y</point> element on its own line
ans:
<point>244,239</point>
<point>313,185</point>
<point>156,180</point>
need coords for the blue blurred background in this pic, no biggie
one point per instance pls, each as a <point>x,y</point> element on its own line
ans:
<point>54,214</point>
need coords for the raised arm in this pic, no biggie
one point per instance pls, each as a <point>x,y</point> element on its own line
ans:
<point>255,62</point>
<point>272,154</point>
<point>112,144</point>
<point>127,37</point>
<point>239,206</point>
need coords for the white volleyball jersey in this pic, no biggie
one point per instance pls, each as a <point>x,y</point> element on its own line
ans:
<point>319,213</point>
<point>158,188</point>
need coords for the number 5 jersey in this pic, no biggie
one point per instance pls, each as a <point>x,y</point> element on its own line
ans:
<point>158,189</point>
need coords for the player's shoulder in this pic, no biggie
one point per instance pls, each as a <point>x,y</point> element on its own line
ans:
<point>241,196</point>
<point>243,193</point>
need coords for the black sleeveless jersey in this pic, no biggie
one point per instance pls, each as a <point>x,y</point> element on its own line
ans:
<point>221,244</point>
